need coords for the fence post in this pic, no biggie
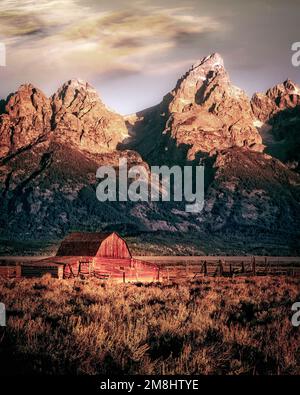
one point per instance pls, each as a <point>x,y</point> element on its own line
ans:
<point>254,266</point>
<point>266,268</point>
<point>220,268</point>
<point>205,268</point>
<point>243,267</point>
<point>230,269</point>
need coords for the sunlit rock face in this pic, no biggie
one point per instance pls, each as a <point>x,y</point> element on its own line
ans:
<point>74,115</point>
<point>204,113</point>
<point>278,113</point>
<point>82,119</point>
<point>26,120</point>
<point>279,98</point>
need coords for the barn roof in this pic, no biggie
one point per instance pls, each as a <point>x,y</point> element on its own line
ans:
<point>81,244</point>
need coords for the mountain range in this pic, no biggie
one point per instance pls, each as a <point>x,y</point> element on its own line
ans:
<point>50,149</point>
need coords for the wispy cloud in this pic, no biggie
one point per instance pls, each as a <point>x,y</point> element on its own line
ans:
<point>63,32</point>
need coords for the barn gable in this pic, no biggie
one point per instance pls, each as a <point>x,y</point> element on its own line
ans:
<point>81,244</point>
<point>114,246</point>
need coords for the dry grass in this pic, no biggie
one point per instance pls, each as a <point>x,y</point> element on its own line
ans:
<point>212,326</point>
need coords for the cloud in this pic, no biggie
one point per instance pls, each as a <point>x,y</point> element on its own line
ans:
<point>137,30</point>
<point>63,32</point>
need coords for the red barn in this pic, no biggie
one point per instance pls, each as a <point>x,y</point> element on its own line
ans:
<point>103,255</point>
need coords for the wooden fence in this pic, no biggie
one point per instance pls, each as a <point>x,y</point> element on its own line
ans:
<point>163,268</point>
<point>227,268</point>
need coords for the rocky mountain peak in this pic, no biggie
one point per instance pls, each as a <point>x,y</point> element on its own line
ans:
<point>291,86</point>
<point>278,110</point>
<point>26,100</point>
<point>205,112</point>
<point>74,114</point>
<point>83,120</point>
<point>288,87</point>
<point>281,97</point>
<point>27,118</point>
<point>76,94</point>
<point>189,88</point>
<point>209,63</point>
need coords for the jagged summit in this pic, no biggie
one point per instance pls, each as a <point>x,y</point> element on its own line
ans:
<point>213,61</point>
<point>76,90</point>
<point>204,113</point>
<point>77,82</point>
<point>74,114</point>
<point>280,97</point>
<point>278,112</point>
<point>27,118</point>
<point>188,87</point>
<point>82,118</point>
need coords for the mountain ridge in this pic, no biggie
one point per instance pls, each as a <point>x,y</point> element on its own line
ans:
<point>51,148</point>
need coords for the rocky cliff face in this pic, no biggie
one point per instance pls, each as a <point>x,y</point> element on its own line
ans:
<point>204,113</point>
<point>26,120</point>
<point>50,149</point>
<point>281,97</point>
<point>278,114</point>
<point>81,118</point>
<point>74,114</point>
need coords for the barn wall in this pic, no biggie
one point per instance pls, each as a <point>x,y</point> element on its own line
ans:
<point>113,268</point>
<point>10,271</point>
<point>114,247</point>
<point>127,270</point>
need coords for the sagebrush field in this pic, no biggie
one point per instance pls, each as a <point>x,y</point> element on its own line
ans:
<point>211,326</point>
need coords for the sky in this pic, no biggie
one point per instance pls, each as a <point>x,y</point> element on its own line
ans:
<point>133,52</point>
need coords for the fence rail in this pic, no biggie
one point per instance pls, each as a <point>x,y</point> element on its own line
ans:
<point>227,268</point>
<point>170,268</point>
